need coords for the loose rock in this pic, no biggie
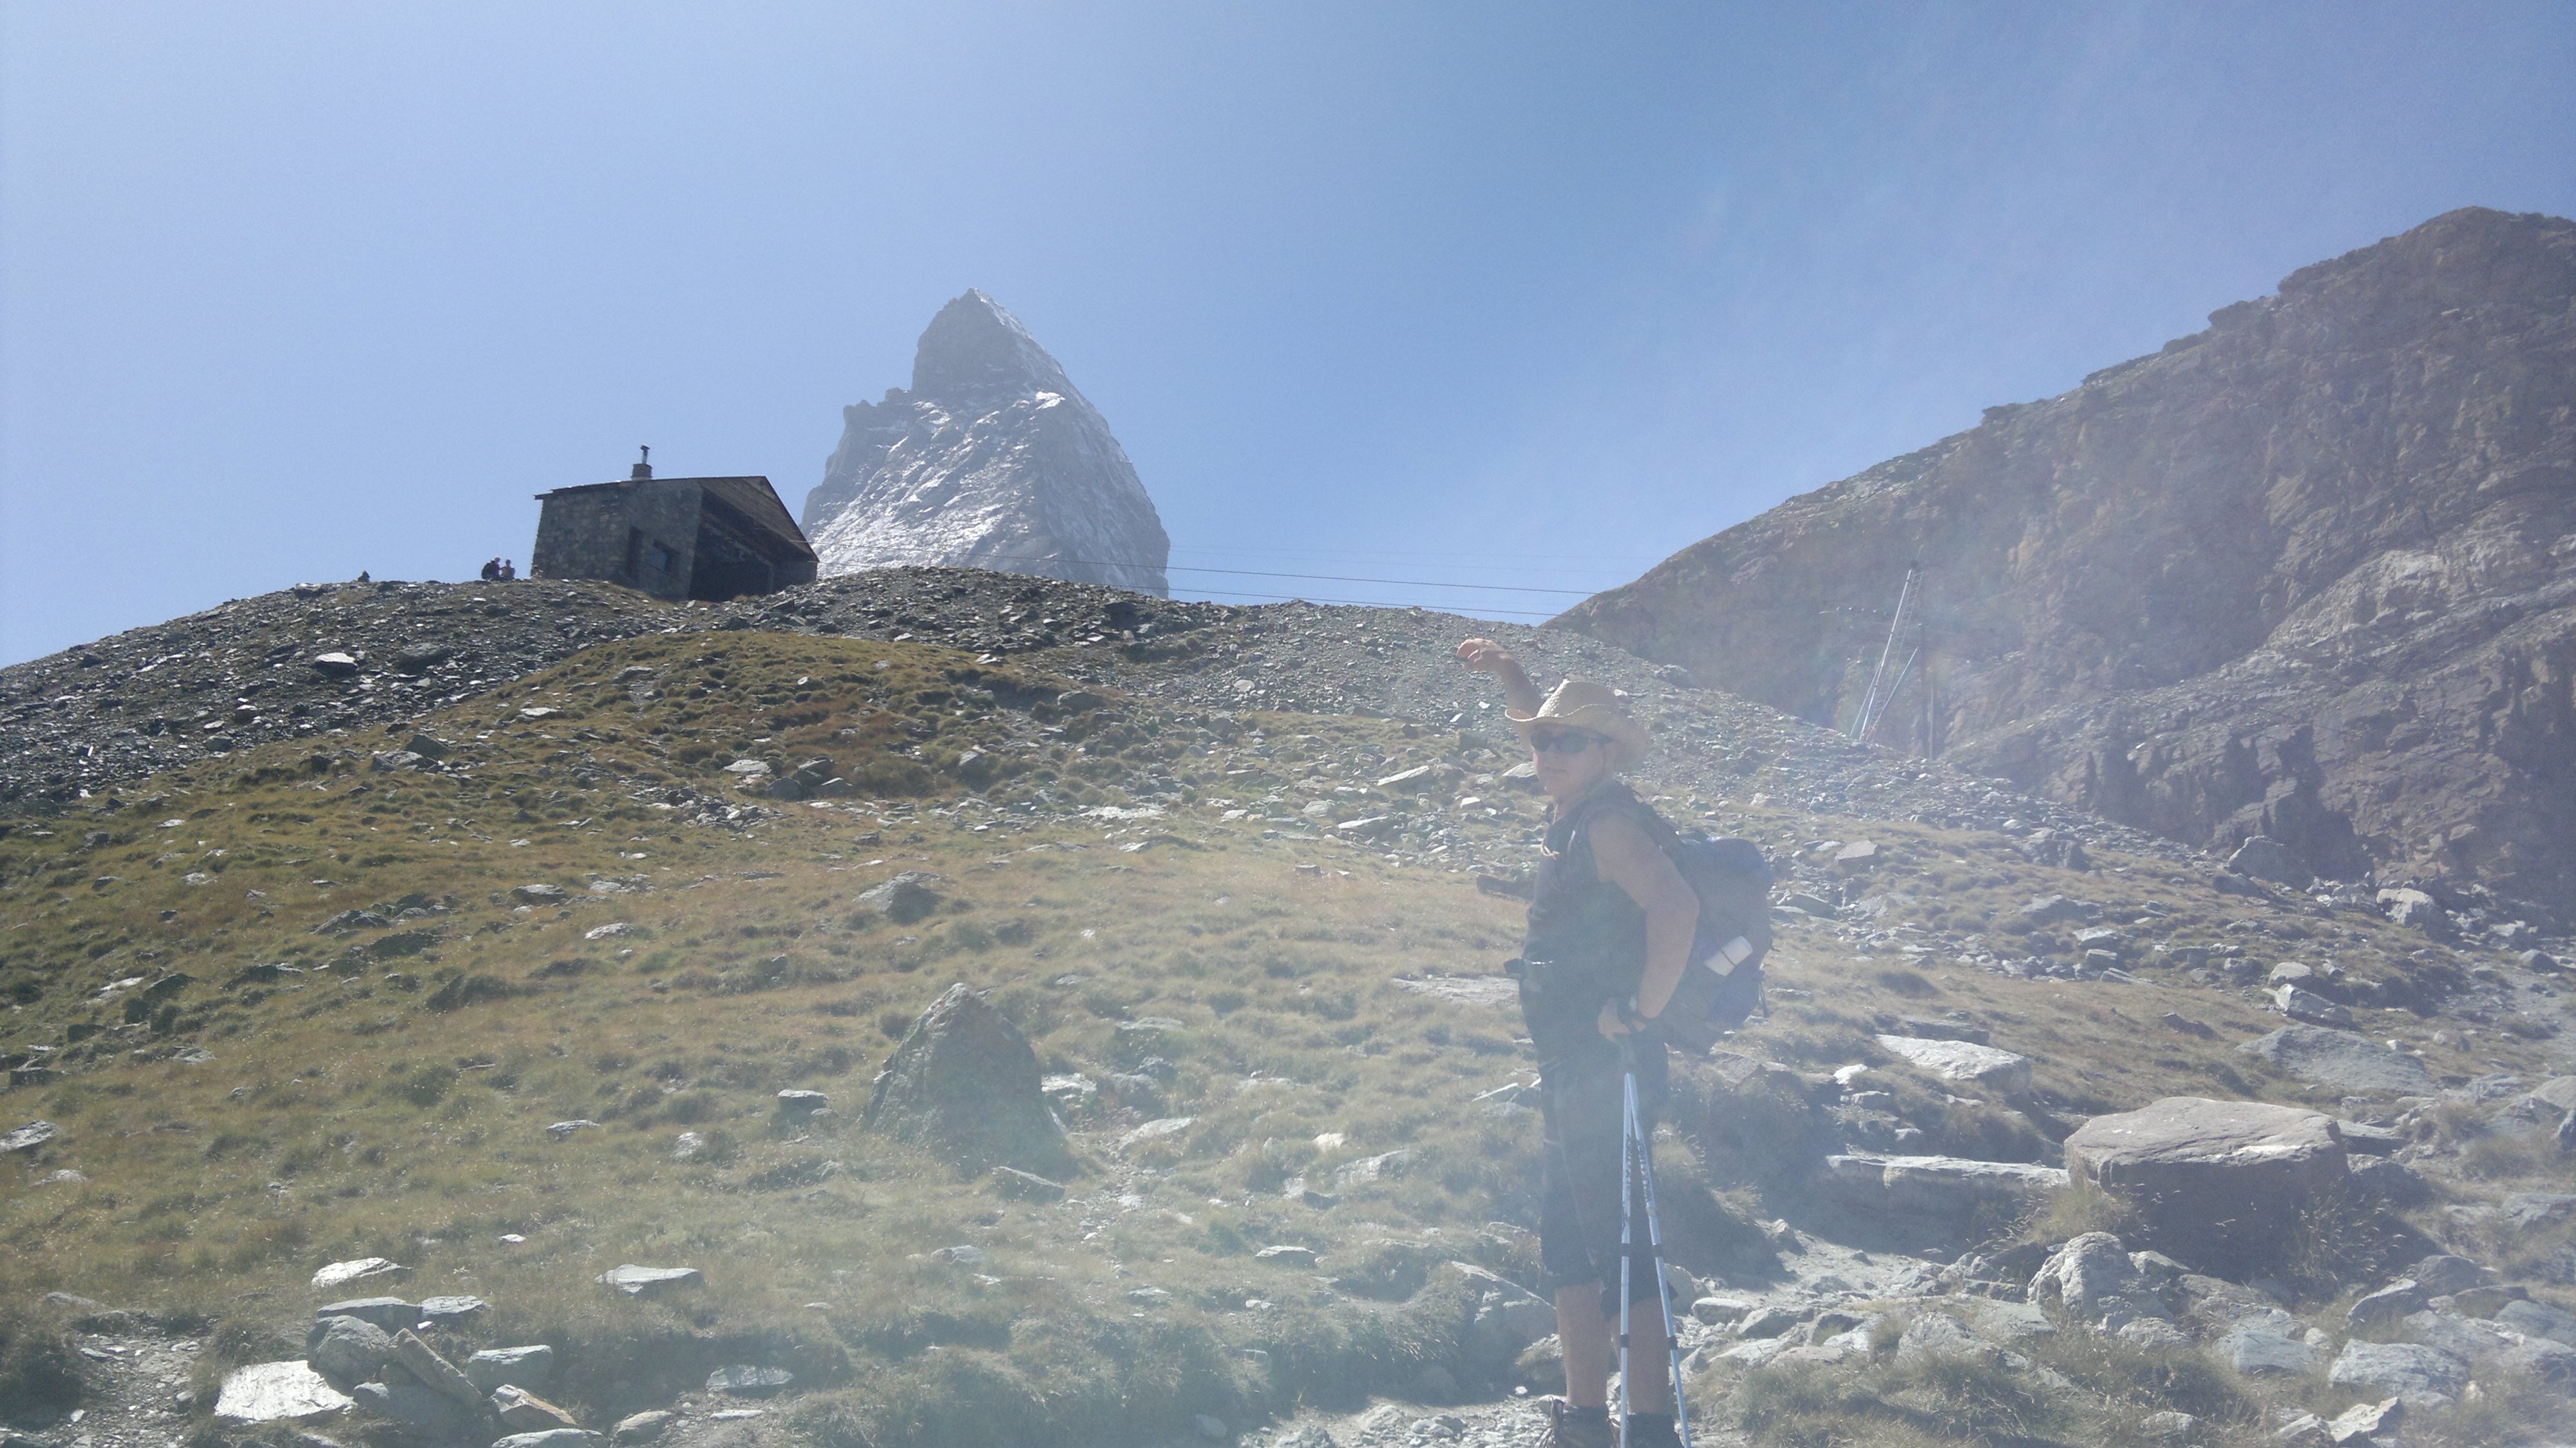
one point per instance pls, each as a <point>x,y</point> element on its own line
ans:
<point>360,1270</point>
<point>347,1351</point>
<point>637,1281</point>
<point>965,1081</point>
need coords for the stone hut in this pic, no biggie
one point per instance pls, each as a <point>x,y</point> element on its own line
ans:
<point>675,538</point>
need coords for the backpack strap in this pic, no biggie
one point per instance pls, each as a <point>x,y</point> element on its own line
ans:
<point>1610,797</point>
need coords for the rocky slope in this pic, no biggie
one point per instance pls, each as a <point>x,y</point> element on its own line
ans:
<point>2309,574</point>
<point>532,984</point>
<point>501,1004</point>
<point>992,459</point>
<point>333,663</point>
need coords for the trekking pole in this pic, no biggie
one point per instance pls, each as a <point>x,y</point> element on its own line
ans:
<point>1636,1146</point>
<point>1627,1213</point>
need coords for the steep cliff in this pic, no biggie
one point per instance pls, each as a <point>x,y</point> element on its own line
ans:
<point>991,460</point>
<point>2310,573</point>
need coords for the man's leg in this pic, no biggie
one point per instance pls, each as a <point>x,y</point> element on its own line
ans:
<point>1586,1338</point>
<point>1650,1363</point>
<point>1590,1341</point>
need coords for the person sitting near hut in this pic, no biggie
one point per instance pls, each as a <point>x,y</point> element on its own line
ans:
<point>492,571</point>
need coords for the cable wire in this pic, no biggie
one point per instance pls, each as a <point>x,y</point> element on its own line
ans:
<point>1362,603</point>
<point>1308,577</point>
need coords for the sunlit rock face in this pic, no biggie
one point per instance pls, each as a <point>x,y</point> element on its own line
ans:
<point>990,460</point>
<point>2309,574</point>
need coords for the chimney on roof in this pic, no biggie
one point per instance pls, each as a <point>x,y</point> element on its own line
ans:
<point>643,469</point>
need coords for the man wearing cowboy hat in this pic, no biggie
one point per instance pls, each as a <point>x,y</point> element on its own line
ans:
<point>1610,928</point>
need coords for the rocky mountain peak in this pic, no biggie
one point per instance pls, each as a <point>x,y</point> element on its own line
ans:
<point>993,459</point>
<point>976,348</point>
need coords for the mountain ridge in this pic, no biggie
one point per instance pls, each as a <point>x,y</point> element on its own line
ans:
<point>2308,574</point>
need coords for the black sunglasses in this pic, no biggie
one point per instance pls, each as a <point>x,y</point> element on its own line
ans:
<point>1571,741</point>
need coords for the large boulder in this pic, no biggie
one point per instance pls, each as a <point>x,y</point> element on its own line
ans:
<point>2219,1184</point>
<point>964,1082</point>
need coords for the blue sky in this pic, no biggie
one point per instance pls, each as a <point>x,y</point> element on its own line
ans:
<point>1530,294</point>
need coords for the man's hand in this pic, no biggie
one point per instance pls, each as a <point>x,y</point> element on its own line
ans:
<point>1488,657</point>
<point>1613,1025</point>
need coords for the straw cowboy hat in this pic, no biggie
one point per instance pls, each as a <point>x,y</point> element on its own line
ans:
<point>1594,709</point>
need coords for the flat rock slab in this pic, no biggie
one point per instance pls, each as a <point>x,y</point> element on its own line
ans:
<point>2466,1338</point>
<point>1987,1066</point>
<point>281,1392</point>
<point>747,1380</point>
<point>1933,1336</point>
<point>2410,1370</point>
<point>2539,1319</point>
<point>551,1438</point>
<point>28,1137</point>
<point>1465,990</point>
<point>452,1311</point>
<point>2218,1184</point>
<point>1155,1131</point>
<point>2004,1322</point>
<point>390,1313</point>
<point>399,1399</point>
<point>637,1281</point>
<point>531,1367</point>
<point>642,1427</point>
<point>2342,1059</point>
<point>361,1270</point>
<point>1935,1187</point>
<point>2253,1349</point>
<point>2527,1210</point>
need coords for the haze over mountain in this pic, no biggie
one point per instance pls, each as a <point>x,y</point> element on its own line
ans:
<point>991,460</point>
<point>2310,573</point>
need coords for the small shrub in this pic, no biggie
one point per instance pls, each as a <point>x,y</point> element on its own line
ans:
<point>1906,983</point>
<point>2083,1207</point>
<point>39,1370</point>
<point>426,1084</point>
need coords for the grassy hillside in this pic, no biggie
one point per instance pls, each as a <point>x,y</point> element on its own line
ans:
<point>298,1005</point>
